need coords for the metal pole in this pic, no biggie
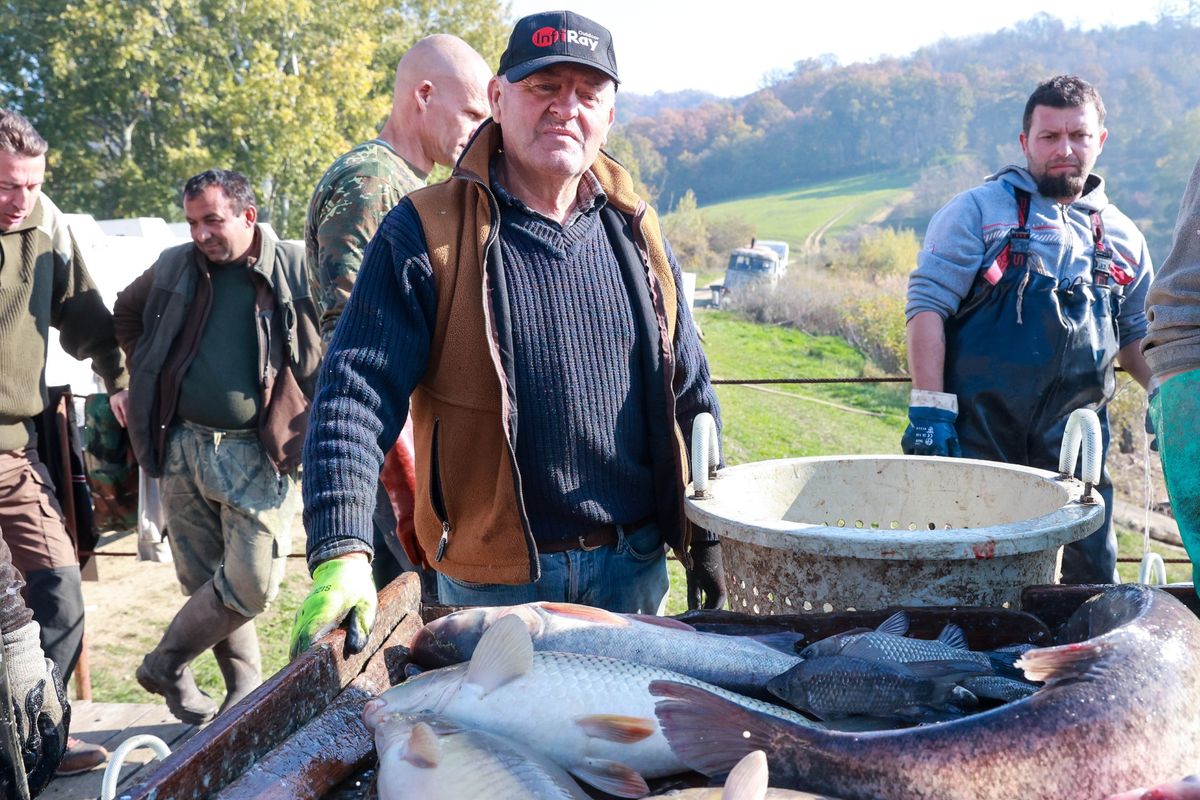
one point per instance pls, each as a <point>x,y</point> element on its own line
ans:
<point>10,740</point>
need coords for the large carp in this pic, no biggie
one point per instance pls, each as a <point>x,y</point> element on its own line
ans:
<point>1120,708</point>
<point>738,663</point>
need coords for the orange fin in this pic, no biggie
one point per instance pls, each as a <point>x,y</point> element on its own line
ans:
<point>612,777</point>
<point>616,728</point>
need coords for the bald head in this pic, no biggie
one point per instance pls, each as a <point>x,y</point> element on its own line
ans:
<point>440,97</point>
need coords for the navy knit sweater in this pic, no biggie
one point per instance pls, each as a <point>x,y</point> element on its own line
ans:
<point>581,426</point>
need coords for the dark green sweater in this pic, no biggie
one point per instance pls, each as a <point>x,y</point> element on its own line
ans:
<point>44,283</point>
<point>220,388</point>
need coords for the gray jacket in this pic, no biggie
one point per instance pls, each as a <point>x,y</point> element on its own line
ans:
<point>1173,304</point>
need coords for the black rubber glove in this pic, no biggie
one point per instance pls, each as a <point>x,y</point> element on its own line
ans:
<point>706,578</point>
<point>41,711</point>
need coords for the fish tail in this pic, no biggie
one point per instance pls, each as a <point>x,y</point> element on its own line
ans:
<point>1003,664</point>
<point>1060,663</point>
<point>784,641</point>
<point>711,734</point>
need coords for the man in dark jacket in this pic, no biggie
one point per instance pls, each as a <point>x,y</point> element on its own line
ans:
<point>223,348</point>
<point>43,284</point>
<point>533,311</point>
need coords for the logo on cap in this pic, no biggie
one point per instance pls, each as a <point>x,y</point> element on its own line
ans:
<point>544,37</point>
<point>547,36</point>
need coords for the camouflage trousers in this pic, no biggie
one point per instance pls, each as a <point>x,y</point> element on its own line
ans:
<point>229,515</point>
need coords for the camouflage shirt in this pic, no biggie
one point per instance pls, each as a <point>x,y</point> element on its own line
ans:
<point>350,201</point>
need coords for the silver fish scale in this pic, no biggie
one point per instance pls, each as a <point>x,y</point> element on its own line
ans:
<point>887,647</point>
<point>473,764</point>
<point>542,708</point>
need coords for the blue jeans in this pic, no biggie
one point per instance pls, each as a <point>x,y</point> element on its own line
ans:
<point>630,577</point>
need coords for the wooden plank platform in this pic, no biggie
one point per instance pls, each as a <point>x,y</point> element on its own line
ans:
<point>109,724</point>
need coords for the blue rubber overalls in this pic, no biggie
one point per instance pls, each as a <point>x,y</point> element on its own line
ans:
<point>1026,349</point>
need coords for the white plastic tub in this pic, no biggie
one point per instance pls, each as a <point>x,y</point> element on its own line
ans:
<point>867,532</point>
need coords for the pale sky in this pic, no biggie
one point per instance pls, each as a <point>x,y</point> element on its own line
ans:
<point>727,47</point>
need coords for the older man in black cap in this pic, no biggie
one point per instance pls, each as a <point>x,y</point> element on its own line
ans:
<point>533,311</point>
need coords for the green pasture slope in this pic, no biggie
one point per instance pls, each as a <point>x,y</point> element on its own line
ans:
<point>780,421</point>
<point>793,214</point>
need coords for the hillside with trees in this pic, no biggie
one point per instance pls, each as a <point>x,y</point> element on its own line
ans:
<point>952,110</point>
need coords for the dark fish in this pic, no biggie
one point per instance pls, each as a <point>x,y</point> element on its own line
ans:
<point>998,687</point>
<point>896,625</point>
<point>1121,707</point>
<point>834,687</point>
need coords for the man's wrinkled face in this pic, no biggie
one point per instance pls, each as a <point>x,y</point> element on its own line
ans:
<point>21,179</point>
<point>555,120</point>
<point>1061,148</point>
<point>220,232</point>
<point>454,111</point>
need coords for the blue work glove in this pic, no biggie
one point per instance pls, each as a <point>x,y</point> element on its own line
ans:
<point>930,431</point>
<point>1174,408</point>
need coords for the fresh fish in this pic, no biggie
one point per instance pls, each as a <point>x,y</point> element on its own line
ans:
<point>1186,789</point>
<point>593,716</point>
<point>747,781</point>
<point>895,625</point>
<point>432,758</point>
<point>998,687</point>
<point>738,663</point>
<point>1121,707</point>
<point>834,687</point>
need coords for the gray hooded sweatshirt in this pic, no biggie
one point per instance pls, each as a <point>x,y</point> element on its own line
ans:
<point>969,231</point>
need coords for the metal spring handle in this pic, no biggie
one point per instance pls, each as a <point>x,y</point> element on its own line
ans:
<point>1082,436</point>
<point>706,454</point>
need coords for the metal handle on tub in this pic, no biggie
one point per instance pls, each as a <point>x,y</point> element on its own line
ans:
<point>1082,436</point>
<point>706,454</point>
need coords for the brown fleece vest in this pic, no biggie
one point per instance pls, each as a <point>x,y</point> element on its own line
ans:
<point>468,504</point>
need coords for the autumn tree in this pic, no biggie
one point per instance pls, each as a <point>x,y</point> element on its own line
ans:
<point>136,96</point>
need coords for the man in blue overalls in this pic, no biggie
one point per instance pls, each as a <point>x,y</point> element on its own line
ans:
<point>1026,291</point>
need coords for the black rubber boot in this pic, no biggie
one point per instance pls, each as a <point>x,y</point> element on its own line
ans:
<point>240,661</point>
<point>202,622</point>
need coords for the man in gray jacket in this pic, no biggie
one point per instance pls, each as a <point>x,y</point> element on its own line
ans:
<point>223,349</point>
<point>1028,289</point>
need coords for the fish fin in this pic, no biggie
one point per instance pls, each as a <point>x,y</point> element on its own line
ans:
<point>411,670</point>
<point>1003,664</point>
<point>617,728</point>
<point>504,653</point>
<point>896,624</point>
<point>947,670</point>
<point>953,636</point>
<point>611,776</point>
<point>711,734</point>
<point>663,622</point>
<point>784,641</point>
<point>1060,663</point>
<point>748,779</point>
<point>423,749</point>
<point>597,616</point>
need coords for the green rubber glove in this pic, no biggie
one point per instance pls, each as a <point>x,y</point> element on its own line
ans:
<point>343,591</point>
<point>1174,408</point>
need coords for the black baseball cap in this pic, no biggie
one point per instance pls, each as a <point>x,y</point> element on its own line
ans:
<point>555,37</point>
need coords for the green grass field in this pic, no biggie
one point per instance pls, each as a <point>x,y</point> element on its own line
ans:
<point>793,214</point>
